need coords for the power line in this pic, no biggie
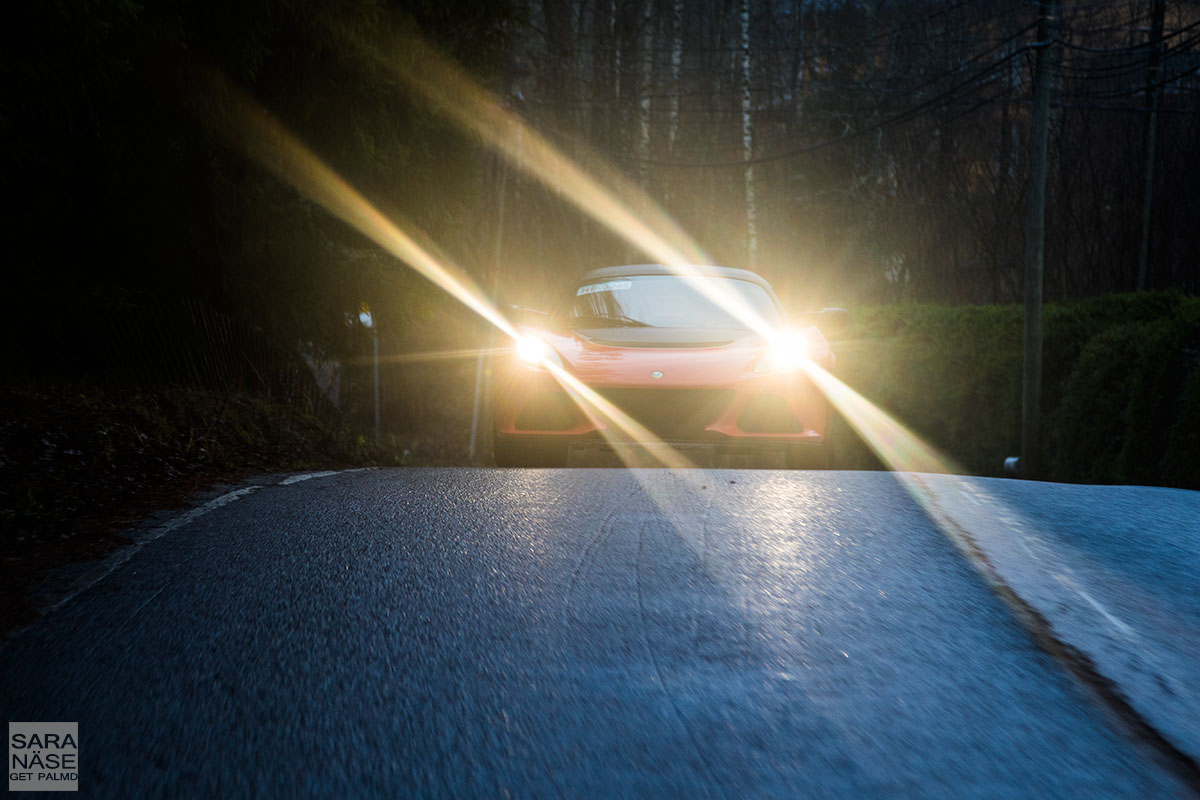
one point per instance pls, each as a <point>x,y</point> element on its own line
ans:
<point>904,116</point>
<point>944,99</point>
<point>1140,47</point>
<point>1145,89</point>
<point>930,104</point>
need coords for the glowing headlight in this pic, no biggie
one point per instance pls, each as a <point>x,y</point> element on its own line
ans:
<point>535,352</point>
<point>786,351</point>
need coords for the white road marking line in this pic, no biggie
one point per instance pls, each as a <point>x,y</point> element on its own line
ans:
<point>306,476</point>
<point>1014,527</point>
<point>1116,623</point>
<point>148,601</point>
<point>119,558</point>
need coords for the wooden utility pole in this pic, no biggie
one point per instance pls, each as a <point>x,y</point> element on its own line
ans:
<point>1035,237</point>
<point>1150,135</point>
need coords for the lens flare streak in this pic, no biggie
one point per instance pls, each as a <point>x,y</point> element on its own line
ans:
<point>895,445</point>
<point>615,202</point>
<point>267,141</point>
<point>460,354</point>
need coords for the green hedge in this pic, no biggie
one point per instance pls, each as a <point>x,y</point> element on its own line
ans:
<point>1121,385</point>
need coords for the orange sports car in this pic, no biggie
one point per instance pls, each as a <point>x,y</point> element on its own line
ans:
<point>699,357</point>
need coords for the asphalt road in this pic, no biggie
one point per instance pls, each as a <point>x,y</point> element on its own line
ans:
<point>564,633</point>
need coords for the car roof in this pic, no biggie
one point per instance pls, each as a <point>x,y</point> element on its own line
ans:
<point>661,269</point>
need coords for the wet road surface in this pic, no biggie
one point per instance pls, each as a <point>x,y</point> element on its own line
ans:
<point>564,633</point>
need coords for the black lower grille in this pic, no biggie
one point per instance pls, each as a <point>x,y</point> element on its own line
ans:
<point>769,413</point>
<point>673,414</point>
<point>548,411</point>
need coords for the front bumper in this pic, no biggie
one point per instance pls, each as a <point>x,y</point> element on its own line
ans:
<point>754,413</point>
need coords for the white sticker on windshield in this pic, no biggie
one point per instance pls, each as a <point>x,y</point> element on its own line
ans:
<point>609,286</point>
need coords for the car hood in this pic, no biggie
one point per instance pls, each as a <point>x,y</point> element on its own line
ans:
<point>633,356</point>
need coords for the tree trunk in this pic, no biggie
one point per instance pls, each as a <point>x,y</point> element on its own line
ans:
<point>676,64</point>
<point>748,139</point>
<point>1150,138</point>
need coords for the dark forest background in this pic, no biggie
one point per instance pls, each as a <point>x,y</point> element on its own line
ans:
<point>857,153</point>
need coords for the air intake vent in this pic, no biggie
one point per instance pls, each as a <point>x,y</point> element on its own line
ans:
<point>548,411</point>
<point>769,413</point>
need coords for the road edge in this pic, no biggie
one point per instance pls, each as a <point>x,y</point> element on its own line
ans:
<point>938,502</point>
<point>73,580</point>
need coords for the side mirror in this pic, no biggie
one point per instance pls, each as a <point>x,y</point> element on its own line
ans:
<point>831,322</point>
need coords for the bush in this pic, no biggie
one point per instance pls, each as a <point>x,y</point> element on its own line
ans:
<point>951,374</point>
<point>1181,462</point>
<point>1121,392</point>
<point>1089,431</point>
<point>1128,412</point>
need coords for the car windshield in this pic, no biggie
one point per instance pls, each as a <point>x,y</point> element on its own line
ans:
<point>666,301</point>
